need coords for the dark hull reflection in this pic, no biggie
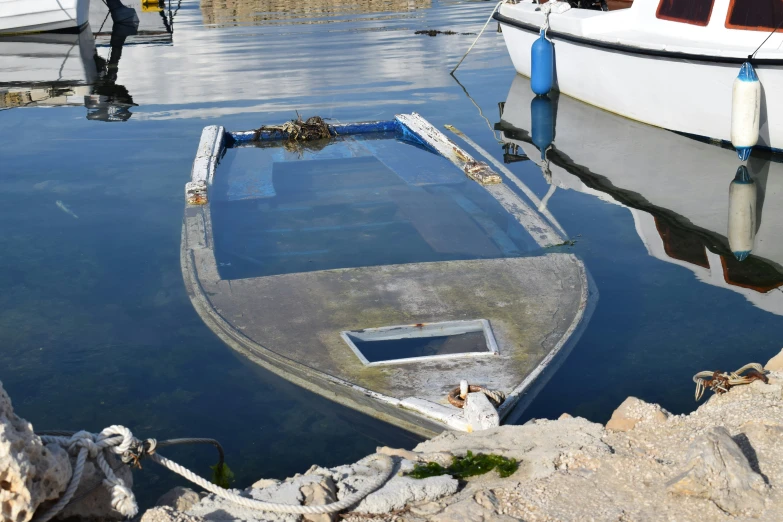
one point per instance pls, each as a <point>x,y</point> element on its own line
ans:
<point>690,203</point>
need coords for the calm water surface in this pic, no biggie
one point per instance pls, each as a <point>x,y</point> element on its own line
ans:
<point>95,324</point>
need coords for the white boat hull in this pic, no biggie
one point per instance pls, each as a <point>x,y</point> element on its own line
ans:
<point>36,16</point>
<point>693,97</point>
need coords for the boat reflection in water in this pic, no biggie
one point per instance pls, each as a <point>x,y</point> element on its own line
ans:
<point>51,70</point>
<point>155,21</point>
<point>221,13</point>
<point>691,202</point>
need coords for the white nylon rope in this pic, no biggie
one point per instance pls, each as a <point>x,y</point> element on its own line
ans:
<point>119,440</point>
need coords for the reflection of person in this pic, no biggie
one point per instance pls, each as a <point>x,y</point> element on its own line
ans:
<point>110,101</point>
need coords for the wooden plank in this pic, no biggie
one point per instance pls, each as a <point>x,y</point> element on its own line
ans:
<point>203,171</point>
<point>421,128</point>
<point>541,231</point>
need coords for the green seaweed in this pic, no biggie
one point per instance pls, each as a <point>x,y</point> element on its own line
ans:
<point>468,466</point>
<point>222,475</point>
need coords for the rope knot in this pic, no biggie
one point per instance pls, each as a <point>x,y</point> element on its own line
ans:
<point>86,440</point>
<point>139,450</point>
<point>123,501</point>
<point>117,437</point>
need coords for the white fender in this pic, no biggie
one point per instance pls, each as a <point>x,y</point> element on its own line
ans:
<point>745,111</point>
<point>742,214</point>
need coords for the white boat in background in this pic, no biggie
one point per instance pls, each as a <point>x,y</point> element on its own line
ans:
<point>46,70</point>
<point>678,189</point>
<point>668,63</point>
<point>38,16</point>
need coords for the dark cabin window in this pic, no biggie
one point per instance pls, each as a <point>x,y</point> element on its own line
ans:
<point>696,12</point>
<point>755,15</point>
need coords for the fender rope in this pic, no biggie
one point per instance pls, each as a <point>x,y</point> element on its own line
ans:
<point>721,382</point>
<point>120,441</point>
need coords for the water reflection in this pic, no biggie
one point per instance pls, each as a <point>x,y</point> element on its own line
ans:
<point>155,20</point>
<point>674,186</point>
<point>50,70</point>
<point>221,13</point>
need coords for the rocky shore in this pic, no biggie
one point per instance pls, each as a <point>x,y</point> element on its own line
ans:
<point>721,462</point>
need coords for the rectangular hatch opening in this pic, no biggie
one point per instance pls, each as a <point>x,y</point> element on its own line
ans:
<point>422,342</point>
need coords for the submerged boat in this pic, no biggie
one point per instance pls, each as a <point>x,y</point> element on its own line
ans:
<point>367,268</point>
<point>679,190</point>
<point>37,16</point>
<point>668,63</point>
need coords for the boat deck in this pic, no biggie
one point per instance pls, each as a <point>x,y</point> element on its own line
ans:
<point>298,252</point>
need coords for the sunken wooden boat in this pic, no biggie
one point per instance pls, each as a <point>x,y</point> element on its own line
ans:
<point>379,267</point>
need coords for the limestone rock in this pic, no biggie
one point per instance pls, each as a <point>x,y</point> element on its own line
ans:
<point>776,363</point>
<point>319,494</point>
<point>632,411</point>
<point>538,445</point>
<point>92,501</point>
<point>721,473</point>
<point>400,491</point>
<point>30,473</point>
<point>264,483</point>
<point>479,412</point>
<point>443,458</point>
<point>168,514</point>
<point>179,498</point>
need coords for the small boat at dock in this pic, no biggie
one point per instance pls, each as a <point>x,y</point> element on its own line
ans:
<point>39,16</point>
<point>379,267</point>
<point>667,63</point>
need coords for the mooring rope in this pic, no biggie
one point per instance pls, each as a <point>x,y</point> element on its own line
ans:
<point>479,36</point>
<point>721,382</point>
<point>120,441</point>
<point>457,396</point>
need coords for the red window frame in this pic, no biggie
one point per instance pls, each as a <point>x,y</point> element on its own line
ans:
<point>683,20</point>
<point>729,25</point>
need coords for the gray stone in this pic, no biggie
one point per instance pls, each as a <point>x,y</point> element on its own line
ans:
<point>400,491</point>
<point>318,494</point>
<point>540,446</point>
<point>263,483</point>
<point>720,472</point>
<point>479,412</point>
<point>443,458</point>
<point>776,363</point>
<point>168,514</point>
<point>573,470</point>
<point>179,498</point>
<point>92,500</point>
<point>633,411</point>
<point>30,473</point>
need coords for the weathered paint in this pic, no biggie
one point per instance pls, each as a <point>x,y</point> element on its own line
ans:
<point>389,392</point>
<point>540,205</point>
<point>421,128</point>
<point>210,148</point>
<point>196,192</point>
